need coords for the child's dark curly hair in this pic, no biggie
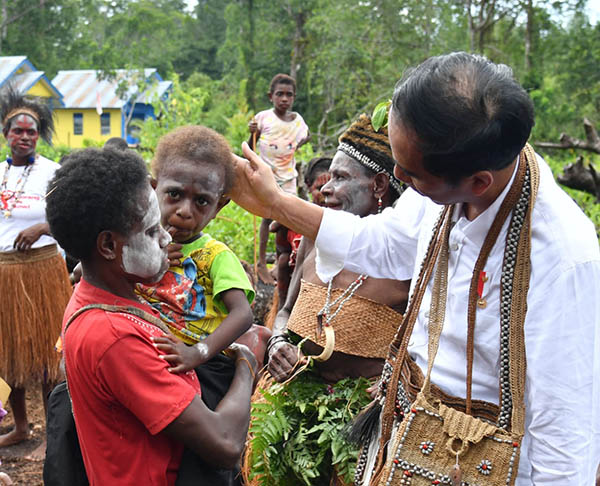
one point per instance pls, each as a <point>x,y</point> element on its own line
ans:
<point>93,191</point>
<point>198,144</point>
<point>282,79</point>
<point>315,167</point>
<point>13,104</point>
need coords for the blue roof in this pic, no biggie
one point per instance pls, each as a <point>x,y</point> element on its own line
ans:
<point>25,80</point>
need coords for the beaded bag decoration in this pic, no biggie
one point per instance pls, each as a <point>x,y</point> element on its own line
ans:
<point>434,443</point>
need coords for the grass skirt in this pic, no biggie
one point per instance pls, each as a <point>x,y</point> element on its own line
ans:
<point>35,290</point>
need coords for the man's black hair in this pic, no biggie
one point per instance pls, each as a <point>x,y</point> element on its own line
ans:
<point>467,113</point>
<point>93,191</point>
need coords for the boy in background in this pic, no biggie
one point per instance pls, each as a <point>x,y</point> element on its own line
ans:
<point>278,132</point>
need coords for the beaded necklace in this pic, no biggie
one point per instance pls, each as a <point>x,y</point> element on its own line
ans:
<point>346,295</point>
<point>9,199</point>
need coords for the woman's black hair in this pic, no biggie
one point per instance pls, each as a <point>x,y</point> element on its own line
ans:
<point>11,100</point>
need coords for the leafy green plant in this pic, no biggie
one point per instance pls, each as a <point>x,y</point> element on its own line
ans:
<point>297,433</point>
<point>379,118</point>
<point>182,107</point>
<point>235,227</point>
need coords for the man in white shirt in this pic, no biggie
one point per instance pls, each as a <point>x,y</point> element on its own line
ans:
<point>457,125</point>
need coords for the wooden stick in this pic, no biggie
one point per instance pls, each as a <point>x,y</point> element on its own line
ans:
<point>254,220</point>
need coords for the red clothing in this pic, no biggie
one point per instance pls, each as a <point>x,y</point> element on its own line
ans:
<point>122,394</point>
<point>294,241</point>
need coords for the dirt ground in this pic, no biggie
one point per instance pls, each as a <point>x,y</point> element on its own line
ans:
<point>20,470</point>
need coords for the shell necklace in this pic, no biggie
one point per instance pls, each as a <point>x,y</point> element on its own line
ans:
<point>9,199</point>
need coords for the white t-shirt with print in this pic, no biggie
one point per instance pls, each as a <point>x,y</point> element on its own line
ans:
<point>30,207</point>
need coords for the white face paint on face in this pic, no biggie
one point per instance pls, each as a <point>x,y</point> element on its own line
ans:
<point>145,253</point>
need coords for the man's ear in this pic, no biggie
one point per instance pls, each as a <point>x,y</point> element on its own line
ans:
<point>381,184</point>
<point>106,244</point>
<point>153,183</point>
<point>480,182</point>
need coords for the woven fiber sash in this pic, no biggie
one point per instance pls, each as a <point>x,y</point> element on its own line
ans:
<point>431,437</point>
<point>357,319</point>
<point>142,314</point>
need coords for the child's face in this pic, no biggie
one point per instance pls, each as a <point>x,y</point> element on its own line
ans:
<point>189,196</point>
<point>315,188</point>
<point>282,97</point>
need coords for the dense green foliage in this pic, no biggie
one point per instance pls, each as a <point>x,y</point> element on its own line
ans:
<point>297,433</point>
<point>346,55</point>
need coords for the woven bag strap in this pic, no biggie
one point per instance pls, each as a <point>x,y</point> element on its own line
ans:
<point>400,341</point>
<point>142,314</point>
<point>440,288</point>
<point>517,351</point>
<point>518,309</point>
<point>437,309</point>
<point>399,346</point>
<point>506,207</point>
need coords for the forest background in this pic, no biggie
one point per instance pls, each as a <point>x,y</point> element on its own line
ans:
<point>345,54</point>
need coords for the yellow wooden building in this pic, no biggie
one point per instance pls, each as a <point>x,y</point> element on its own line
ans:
<point>86,104</point>
<point>98,107</point>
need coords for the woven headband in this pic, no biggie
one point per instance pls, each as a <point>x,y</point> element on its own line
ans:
<point>369,164</point>
<point>22,110</point>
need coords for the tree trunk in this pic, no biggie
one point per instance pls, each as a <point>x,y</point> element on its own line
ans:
<point>5,21</point>
<point>4,14</point>
<point>248,53</point>
<point>529,36</point>
<point>298,43</point>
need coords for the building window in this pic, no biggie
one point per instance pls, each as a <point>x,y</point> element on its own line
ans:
<point>105,124</point>
<point>78,123</point>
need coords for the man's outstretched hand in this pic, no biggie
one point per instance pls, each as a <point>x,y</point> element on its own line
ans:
<point>255,188</point>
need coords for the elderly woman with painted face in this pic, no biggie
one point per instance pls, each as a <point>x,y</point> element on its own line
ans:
<point>344,327</point>
<point>34,282</point>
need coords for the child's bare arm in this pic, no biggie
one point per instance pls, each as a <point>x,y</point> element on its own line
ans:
<point>237,322</point>
<point>304,140</point>
<point>219,436</point>
<point>254,133</point>
<point>182,357</point>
